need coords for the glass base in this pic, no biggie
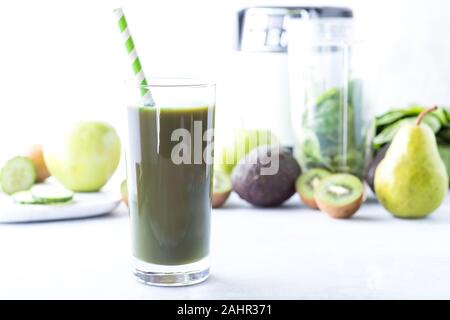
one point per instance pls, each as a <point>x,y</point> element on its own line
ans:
<point>171,276</point>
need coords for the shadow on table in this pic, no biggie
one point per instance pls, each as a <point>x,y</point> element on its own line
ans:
<point>244,205</point>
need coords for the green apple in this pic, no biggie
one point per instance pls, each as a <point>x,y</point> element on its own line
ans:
<point>85,157</point>
<point>242,142</point>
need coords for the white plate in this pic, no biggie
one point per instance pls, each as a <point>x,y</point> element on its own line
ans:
<point>83,205</point>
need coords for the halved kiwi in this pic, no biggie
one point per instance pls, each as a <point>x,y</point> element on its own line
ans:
<point>306,184</point>
<point>339,195</point>
<point>221,188</point>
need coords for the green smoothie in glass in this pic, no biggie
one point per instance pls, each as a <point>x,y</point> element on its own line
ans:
<point>169,181</point>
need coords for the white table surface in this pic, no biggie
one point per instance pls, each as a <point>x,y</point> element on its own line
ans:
<point>290,253</point>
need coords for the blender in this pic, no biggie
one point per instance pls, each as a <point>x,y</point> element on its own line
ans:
<point>330,111</point>
<point>262,44</point>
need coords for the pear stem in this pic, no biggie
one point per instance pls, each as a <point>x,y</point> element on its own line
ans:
<point>424,113</point>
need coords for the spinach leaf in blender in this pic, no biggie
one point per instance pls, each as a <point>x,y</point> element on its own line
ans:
<point>331,132</point>
<point>308,151</point>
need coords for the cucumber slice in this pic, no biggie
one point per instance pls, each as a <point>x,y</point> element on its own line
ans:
<point>18,174</point>
<point>51,194</point>
<point>25,197</point>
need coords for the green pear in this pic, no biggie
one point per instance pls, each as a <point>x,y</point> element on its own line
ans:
<point>411,182</point>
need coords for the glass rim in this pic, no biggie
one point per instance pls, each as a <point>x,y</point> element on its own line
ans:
<point>174,82</point>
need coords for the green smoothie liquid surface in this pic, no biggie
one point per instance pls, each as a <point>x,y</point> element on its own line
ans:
<point>170,204</point>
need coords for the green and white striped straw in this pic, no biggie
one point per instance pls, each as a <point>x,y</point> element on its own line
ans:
<point>147,98</point>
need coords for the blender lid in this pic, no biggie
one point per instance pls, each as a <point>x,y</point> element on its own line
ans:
<point>263,29</point>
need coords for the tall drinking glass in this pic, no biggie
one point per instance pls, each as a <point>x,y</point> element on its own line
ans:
<point>169,174</point>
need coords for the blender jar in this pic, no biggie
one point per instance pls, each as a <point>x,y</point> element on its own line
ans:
<point>262,61</point>
<point>330,116</point>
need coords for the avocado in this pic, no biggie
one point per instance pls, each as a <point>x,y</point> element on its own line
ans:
<point>370,175</point>
<point>252,183</point>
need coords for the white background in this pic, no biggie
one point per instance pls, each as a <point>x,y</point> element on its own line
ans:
<point>62,61</point>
